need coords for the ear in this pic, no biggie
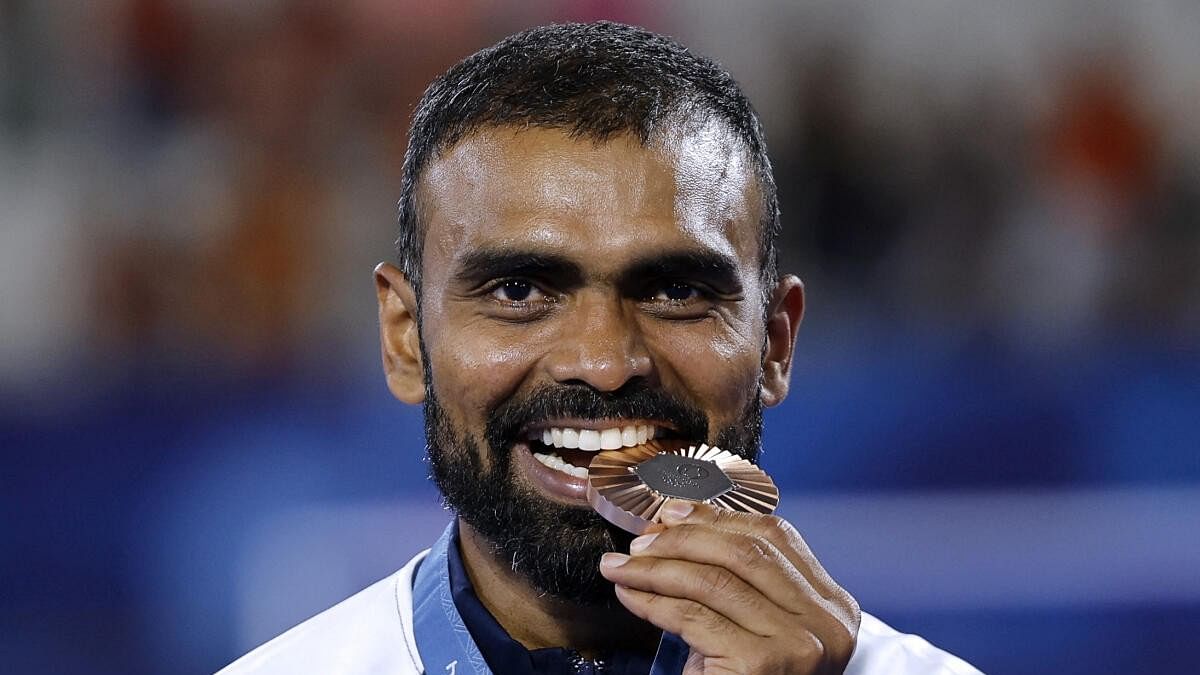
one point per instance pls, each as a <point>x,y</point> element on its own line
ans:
<point>399,335</point>
<point>784,312</point>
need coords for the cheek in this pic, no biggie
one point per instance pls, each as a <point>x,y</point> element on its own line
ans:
<point>473,373</point>
<point>719,368</point>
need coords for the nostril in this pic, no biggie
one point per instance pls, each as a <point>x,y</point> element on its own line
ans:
<point>604,377</point>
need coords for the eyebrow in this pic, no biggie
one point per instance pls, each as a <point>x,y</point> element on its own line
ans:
<point>719,270</point>
<point>487,264</point>
<point>483,265</point>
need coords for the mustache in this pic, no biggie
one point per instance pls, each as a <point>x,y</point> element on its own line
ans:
<point>633,400</point>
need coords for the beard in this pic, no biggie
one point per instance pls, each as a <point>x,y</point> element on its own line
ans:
<point>555,547</point>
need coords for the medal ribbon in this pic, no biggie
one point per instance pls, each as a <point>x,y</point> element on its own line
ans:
<point>443,641</point>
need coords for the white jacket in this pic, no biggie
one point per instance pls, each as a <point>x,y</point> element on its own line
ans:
<point>371,633</point>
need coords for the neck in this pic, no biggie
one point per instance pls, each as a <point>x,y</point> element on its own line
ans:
<point>537,620</point>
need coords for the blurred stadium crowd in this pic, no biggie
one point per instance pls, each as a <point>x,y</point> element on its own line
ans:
<point>995,207</point>
<point>212,173</point>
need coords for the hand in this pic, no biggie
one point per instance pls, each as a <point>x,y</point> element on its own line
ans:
<point>742,590</point>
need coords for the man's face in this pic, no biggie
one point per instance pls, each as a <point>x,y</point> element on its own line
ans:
<point>583,294</point>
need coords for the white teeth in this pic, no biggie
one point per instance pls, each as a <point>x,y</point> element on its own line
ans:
<point>610,439</point>
<point>593,439</point>
<point>570,438</point>
<point>629,436</point>
<point>589,439</point>
<point>552,461</point>
<point>555,462</point>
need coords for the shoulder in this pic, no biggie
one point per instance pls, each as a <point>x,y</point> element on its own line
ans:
<point>882,649</point>
<point>369,632</point>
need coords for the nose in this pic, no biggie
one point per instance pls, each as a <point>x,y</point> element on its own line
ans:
<point>600,345</point>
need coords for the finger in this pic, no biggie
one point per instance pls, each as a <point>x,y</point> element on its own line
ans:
<point>772,528</point>
<point>709,585</point>
<point>756,561</point>
<point>704,630</point>
<point>654,527</point>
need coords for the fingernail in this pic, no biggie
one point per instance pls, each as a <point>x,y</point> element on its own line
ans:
<point>677,510</point>
<point>639,544</point>
<point>613,559</point>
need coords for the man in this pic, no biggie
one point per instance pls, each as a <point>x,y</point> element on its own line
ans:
<point>587,260</point>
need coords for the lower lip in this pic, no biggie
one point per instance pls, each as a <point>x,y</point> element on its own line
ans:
<point>563,486</point>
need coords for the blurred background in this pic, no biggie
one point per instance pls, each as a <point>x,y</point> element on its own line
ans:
<point>994,433</point>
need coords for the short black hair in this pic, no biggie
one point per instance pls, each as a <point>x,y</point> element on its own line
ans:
<point>591,80</point>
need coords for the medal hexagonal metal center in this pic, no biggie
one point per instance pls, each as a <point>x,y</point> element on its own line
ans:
<point>683,477</point>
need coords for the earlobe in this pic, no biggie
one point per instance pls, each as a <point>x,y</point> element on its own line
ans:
<point>784,312</point>
<point>399,334</point>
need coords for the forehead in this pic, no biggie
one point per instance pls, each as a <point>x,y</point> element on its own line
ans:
<point>540,188</point>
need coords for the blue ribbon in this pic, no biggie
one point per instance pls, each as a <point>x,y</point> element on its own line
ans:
<point>445,645</point>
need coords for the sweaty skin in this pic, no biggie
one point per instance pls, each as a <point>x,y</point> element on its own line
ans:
<point>549,259</point>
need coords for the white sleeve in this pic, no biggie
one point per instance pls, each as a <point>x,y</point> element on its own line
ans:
<point>369,633</point>
<point>881,650</point>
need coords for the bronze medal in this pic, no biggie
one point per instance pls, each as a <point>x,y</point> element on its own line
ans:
<point>629,486</point>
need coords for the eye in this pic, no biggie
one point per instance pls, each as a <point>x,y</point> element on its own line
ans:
<point>516,291</point>
<point>676,291</point>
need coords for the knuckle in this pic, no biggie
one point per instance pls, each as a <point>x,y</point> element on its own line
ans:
<point>713,622</point>
<point>811,649</point>
<point>843,606</point>
<point>753,552</point>
<point>717,579</point>
<point>679,535</point>
<point>775,522</point>
<point>844,648</point>
<point>840,647</point>
<point>670,541</point>
<point>832,644</point>
<point>779,531</point>
<point>698,617</point>
<point>653,603</point>
<point>692,613</point>
<point>851,623</point>
<point>853,610</point>
<point>730,518</point>
<point>639,570</point>
<point>654,566</point>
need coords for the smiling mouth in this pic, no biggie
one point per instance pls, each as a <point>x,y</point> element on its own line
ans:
<point>570,450</point>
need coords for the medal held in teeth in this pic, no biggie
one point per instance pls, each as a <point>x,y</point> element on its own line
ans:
<point>628,487</point>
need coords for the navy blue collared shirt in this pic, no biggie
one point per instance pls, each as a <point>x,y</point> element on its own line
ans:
<point>505,655</point>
